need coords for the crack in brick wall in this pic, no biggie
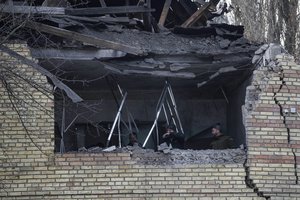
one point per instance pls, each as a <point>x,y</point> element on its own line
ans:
<point>252,97</point>
<point>283,83</point>
<point>295,165</point>
<point>280,106</point>
<point>250,183</point>
<point>271,132</point>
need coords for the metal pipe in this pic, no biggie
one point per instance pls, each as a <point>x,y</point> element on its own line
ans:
<point>166,115</point>
<point>157,135</point>
<point>157,116</point>
<point>153,126</point>
<point>119,131</point>
<point>71,123</point>
<point>120,90</point>
<point>172,116</point>
<point>224,95</point>
<point>128,112</point>
<point>175,107</point>
<point>116,119</point>
<point>160,98</point>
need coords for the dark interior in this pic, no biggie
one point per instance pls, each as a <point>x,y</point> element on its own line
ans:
<point>199,108</point>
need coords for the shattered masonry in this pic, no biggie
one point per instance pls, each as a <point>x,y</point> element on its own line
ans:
<point>272,126</point>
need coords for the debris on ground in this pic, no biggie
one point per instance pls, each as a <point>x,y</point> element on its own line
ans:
<point>109,149</point>
<point>181,156</point>
<point>168,156</point>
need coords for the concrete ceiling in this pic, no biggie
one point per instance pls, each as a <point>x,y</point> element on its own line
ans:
<point>84,75</point>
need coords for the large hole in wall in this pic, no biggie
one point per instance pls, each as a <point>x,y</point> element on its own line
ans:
<point>88,124</point>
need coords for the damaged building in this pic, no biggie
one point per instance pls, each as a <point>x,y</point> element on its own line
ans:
<point>79,79</point>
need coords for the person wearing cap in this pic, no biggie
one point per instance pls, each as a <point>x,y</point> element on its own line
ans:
<point>220,141</point>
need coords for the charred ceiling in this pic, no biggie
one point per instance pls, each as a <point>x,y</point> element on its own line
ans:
<point>138,39</point>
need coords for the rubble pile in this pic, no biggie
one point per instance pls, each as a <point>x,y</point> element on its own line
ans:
<point>180,156</point>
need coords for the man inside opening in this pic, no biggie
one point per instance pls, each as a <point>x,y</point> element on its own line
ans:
<point>220,141</point>
<point>172,137</point>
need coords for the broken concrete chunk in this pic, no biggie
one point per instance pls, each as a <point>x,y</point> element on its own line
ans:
<point>179,66</point>
<point>262,49</point>
<point>224,43</point>
<point>82,149</point>
<point>166,151</point>
<point>152,61</point>
<point>272,52</point>
<point>227,69</point>
<point>165,148</point>
<point>94,149</point>
<point>109,149</point>
<point>162,146</point>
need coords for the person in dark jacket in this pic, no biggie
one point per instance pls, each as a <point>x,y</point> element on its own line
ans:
<point>172,137</point>
<point>220,141</point>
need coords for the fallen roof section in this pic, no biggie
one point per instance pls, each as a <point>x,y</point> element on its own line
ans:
<point>164,40</point>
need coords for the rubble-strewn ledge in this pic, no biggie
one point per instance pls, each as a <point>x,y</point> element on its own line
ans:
<point>180,156</point>
<point>173,157</point>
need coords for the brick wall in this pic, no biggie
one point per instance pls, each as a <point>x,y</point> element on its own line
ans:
<point>113,175</point>
<point>273,134</point>
<point>30,169</point>
<point>23,149</point>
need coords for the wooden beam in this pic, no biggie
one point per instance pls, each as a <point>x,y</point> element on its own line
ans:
<point>164,12</point>
<point>196,16</point>
<point>32,9</point>
<point>102,43</point>
<point>108,10</point>
<point>70,93</point>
